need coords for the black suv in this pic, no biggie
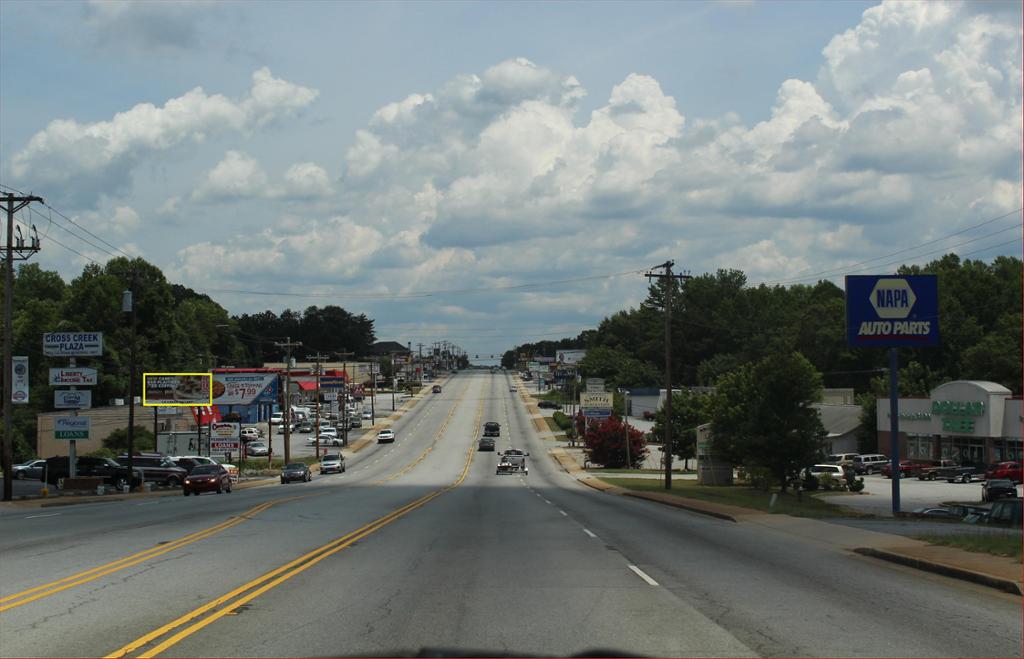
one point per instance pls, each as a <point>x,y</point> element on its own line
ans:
<point>157,469</point>
<point>492,429</point>
<point>58,468</point>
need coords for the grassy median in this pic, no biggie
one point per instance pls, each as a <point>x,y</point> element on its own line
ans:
<point>997,544</point>
<point>739,495</point>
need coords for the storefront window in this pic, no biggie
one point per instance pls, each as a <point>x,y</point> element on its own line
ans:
<point>965,450</point>
<point>919,447</point>
<point>1006,450</point>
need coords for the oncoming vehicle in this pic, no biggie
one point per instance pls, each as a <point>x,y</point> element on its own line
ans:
<point>332,463</point>
<point>386,436</point>
<point>436,389</point>
<point>512,461</point>
<point>207,478</point>
<point>296,471</point>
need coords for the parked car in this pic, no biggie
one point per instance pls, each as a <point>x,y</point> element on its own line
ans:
<point>257,449</point>
<point>32,469</point>
<point>907,468</point>
<point>998,488</point>
<point>328,437</point>
<point>250,434</point>
<point>1005,513</point>
<point>156,469</point>
<point>304,427</point>
<point>869,463</point>
<point>58,468</point>
<point>207,478</point>
<point>368,415</point>
<point>512,390</point>
<point>296,471</point>
<point>385,436</point>
<point>845,459</point>
<point>934,513</point>
<point>276,418</point>
<point>549,404</point>
<point>1007,470</point>
<point>837,472</point>
<point>331,463</point>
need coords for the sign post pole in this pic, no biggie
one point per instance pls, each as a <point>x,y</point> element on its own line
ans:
<point>894,427</point>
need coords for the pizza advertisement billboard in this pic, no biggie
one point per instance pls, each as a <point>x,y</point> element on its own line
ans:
<point>177,389</point>
<point>244,388</point>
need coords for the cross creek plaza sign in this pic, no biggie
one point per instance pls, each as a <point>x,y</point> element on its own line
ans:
<point>892,310</point>
<point>73,344</point>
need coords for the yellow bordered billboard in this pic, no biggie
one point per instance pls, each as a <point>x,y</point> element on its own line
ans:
<point>177,389</point>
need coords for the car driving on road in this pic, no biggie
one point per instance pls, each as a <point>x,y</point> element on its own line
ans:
<point>207,478</point>
<point>332,463</point>
<point>296,471</point>
<point>386,436</point>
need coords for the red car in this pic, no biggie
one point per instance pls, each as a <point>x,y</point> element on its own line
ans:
<point>1005,470</point>
<point>907,468</point>
<point>207,478</point>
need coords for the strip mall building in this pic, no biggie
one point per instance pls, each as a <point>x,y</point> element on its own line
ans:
<point>972,422</point>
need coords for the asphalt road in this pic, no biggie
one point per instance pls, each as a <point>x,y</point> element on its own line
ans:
<point>420,544</point>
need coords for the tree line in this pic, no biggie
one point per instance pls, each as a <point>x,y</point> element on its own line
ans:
<point>178,329</point>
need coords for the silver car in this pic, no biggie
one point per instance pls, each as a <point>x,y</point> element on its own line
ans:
<point>332,463</point>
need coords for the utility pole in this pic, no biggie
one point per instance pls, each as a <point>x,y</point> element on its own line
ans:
<point>128,305</point>
<point>15,251</point>
<point>670,280</point>
<point>287,421</point>
<point>345,422</point>
<point>394,381</point>
<point>317,372</point>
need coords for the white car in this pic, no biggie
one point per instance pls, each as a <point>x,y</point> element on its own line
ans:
<point>328,437</point>
<point>276,418</point>
<point>257,449</point>
<point>248,434</point>
<point>386,436</point>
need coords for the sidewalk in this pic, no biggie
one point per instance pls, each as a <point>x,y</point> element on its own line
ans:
<point>994,571</point>
<point>74,499</point>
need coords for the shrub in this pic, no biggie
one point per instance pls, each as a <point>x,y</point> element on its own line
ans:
<point>562,420</point>
<point>606,444</point>
<point>101,453</point>
<point>810,483</point>
<point>829,482</point>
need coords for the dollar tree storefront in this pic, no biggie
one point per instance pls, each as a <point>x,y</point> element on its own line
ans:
<point>972,422</point>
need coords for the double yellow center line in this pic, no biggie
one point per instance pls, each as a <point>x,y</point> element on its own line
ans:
<point>47,589</point>
<point>226,604</point>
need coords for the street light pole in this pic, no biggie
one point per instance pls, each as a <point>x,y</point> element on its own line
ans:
<point>128,305</point>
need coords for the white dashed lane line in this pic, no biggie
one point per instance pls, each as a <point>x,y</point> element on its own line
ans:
<point>643,575</point>
<point>588,532</point>
<point>564,513</point>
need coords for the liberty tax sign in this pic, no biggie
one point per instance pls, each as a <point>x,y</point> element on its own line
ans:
<point>889,311</point>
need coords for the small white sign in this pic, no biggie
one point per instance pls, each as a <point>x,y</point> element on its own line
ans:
<point>75,377</point>
<point>73,344</point>
<point>71,427</point>
<point>19,380</point>
<point>596,401</point>
<point>64,399</point>
<point>225,431</point>
<point>595,385</point>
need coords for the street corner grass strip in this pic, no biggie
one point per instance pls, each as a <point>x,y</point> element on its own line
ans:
<point>940,568</point>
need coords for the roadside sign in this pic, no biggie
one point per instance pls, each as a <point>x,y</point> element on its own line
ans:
<point>222,430</point>
<point>19,380</point>
<point>332,382</point>
<point>177,389</point>
<point>64,399</point>
<point>75,377</point>
<point>884,311</point>
<point>595,385</point>
<point>597,414</point>
<point>71,427</point>
<point>596,401</point>
<point>224,445</point>
<point>73,344</point>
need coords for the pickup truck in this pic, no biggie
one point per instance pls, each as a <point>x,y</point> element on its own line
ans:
<point>950,471</point>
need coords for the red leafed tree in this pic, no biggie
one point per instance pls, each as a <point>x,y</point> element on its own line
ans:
<point>606,442</point>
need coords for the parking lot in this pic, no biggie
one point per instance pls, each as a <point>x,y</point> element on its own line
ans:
<point>877,496</point>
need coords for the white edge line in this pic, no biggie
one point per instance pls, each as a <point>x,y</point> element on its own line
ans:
<point>588,532</point>
<point>643,575</point>
<point>46,515</point>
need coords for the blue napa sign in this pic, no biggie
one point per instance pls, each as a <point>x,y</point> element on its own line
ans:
<point>892,311</point>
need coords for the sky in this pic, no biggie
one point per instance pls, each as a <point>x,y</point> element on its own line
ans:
<point>495,173</point>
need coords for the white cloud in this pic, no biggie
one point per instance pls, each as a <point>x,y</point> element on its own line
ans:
<point>239,176</point>
<point>86,161</point>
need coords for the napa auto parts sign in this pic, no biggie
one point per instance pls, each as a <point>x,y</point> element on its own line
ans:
<point>244,388</point>
<point>892,310</point>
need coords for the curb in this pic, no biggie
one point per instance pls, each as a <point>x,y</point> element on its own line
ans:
<point>676,504</point>
<point>943,569</point>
